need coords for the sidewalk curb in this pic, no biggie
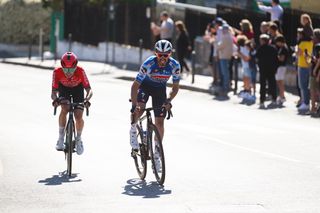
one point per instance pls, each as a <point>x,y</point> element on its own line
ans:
<point>28,65</point>
<point>126,78</point>
<point>181,86</point>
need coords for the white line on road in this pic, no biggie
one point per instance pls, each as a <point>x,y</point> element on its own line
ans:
<point>272,155</point>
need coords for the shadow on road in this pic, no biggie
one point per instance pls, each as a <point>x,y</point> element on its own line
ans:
<point>137,187</point>
<point>59,179</point>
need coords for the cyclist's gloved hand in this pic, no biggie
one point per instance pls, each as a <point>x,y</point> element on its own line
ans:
<point>56,102</point>
<point>167,104</point>
<point>133,108</point>
<point>87,104</point>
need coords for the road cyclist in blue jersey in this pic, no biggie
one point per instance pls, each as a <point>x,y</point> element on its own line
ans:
<point>151,81</point>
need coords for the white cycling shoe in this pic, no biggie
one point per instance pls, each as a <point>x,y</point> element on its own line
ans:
<point>79,147</point>
<point>60,145</point>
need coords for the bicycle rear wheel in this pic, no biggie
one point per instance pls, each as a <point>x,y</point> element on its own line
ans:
<point>157,154</point>
<point>140,157</point>
<point>69,147</point>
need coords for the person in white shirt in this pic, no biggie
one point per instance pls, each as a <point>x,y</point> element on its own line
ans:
<point>276,11</point>
<point>166,29</point>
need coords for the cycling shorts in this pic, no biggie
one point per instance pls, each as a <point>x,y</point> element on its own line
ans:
<point>159,96</point>
<point>76,92</point>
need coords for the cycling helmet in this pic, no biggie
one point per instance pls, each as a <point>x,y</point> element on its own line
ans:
<point>69,60</point>
<point>163,46</point>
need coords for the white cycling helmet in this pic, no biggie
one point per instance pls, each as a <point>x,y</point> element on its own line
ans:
<point>163,46</point>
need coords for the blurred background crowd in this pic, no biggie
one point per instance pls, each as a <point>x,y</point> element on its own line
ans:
<point>270,42</point>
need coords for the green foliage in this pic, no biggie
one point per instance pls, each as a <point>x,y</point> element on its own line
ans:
<point>55,5</point>
<point>21,21</point>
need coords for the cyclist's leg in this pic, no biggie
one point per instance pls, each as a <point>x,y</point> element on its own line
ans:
<point>64,94</point>
<point>142,99</point>
<point>78,97</point>
<point>158,99</point>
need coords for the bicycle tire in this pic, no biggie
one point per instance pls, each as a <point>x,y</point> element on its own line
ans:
<point>140,158</point>
<point>69,147</point>
<point>159,173</point>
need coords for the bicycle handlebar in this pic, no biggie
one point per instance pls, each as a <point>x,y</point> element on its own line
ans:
<point>73,104</point>
<point>162,108</point>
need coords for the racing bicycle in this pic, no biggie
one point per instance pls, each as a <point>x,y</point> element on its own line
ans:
<point>70,132</point>
<point>150,147</point>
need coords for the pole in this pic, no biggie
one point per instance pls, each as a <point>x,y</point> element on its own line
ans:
<point>30,47</point>
<point>193,61</point>
<point>41,44</point>
<point>140,50</point>
<point>70,42</point>
<point>236,62</point>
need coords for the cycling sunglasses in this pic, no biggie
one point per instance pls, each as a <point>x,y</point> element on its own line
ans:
<point>69,70</point>
<point>162,55</point>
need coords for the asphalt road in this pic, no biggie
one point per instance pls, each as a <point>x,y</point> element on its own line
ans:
<point>221,156</point>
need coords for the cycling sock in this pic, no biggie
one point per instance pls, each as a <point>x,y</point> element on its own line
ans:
<point>61,132</point>
<point>133,127</point>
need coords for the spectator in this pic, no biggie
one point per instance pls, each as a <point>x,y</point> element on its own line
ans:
<point>246,29</point>
<point>183,44</point>
<point>304,68</point>
<point>273,32</point>
<point>314,81</point>
<point>244,54</point>
<point>210,36</point>
<point>283,54</point>
<point>225,52</point>
<point>166,29</point>
<point>264,27</point>
<point>267,62</point>
<point>253,67</point>
<point>306,24</point>
<point>276,11</point>
<point>218,28</point>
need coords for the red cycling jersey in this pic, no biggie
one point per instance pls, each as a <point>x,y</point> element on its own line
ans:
<point>79,76</point>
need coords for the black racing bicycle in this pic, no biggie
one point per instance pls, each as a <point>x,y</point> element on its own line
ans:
<point>70,131</point>
<point>150,148</point>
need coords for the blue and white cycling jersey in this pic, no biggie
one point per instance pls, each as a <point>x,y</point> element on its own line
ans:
<point>151,74</point>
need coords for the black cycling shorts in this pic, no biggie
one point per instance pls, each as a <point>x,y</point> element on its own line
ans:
<point>159,96</point>
<point>76,92</point>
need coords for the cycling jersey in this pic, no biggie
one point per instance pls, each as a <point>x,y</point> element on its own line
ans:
<point>78,77</point>
<point>151,74</point>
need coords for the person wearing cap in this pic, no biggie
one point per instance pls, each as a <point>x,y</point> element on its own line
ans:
<point>225,52</point>
<point>267,63</point>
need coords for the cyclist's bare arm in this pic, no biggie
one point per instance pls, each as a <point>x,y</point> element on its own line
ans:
<point>54,94</point>
<point>134,92</point>
<point>174,91</point>
<point>88,94</point>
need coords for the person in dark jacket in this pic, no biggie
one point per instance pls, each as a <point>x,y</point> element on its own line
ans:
<point>183,44</point>
<point>267,63</point>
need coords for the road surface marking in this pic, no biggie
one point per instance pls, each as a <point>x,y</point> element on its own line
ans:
<point>272,155</point>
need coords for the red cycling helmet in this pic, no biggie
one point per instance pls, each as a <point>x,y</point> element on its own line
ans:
<point>69,60</point>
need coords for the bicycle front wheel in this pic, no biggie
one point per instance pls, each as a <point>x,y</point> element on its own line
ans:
<point>69,147</point>
<point>140,157</point>
<point>157,154</point>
